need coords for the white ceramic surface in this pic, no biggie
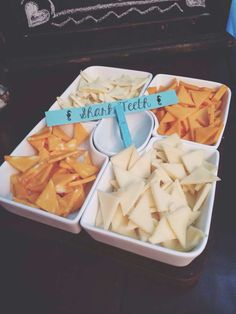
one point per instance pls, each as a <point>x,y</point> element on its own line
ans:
<point>70,223</point>
<point>143,248</point>
<point>165,80</point>
<point>107,138</point>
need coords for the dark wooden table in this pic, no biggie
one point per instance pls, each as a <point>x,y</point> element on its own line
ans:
<point>44,270</point>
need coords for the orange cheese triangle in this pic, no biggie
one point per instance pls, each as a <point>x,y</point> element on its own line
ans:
<point>203,134</point>
<point>180,112</point>
<point>80,133</point>
<point>168,118</point>
<point>44,133</point>
<point>184,96</point>
<point>37,144</point>
<point>47,200</point>
<point>84,170</point>
<point>22,163</point>
<point>57,131</point>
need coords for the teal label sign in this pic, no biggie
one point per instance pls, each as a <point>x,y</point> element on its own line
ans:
<point>107,110</point>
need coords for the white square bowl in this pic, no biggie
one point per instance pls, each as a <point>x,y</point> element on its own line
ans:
<point>149,250</point>
<point>106,73</point>
<point>165,80</point>
<point>70,223</point>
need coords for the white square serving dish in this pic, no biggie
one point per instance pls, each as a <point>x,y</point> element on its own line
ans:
<point>70,223</point>
<point>165,80</point>
<point>149,250</point>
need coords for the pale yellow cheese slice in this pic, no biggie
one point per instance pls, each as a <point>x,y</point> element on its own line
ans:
<point>117,218</point>
<point>141,216</point>
<point>171,140</point>
<point>199,175</point>
<point>143,236</point>
<point>161,197</point>
<point>123,229</point>
<point>142,167</point>
<point>163,232</point>
<point>108,205</point>
<point>99,220</point>
<point>193,217</point>
<point>193,237</point>
<point>201,196</point>
<point>129,195</point>
<point>122,159</point>
<point>173,155</point>
<point>178,221</point>
<point>174,170</point>
<point>133,159</point>
<point>124,177</point>
<point>131,225</point>
<point>193,160</point>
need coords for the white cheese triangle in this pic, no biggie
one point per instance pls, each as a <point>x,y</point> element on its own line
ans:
<point>142,167</point>
<point>194,237</point>
<point>148,195</point>
<point>173,155</point>
<point>191,199</point>
<point>163,232</point>
<point>193,160</point>
<point>143,236</point>
<point>133,159</point>
<point>131,225</point>
<point>172,140</point>
<point>108,206</point>
<point>129,195</point>
<point>117,218</point>
<point>201,196</point>
<point>99,220</point>
<point>161,197</point>
<point>199,175</point>
<point>123,228</point>
<point>122,159</point>
<point>174,170</point>
<point>141,216</point>
<point>124,177</point>
<point>193,217</point>
<point>178,221</point>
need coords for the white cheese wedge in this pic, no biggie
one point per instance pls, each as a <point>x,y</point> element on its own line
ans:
<point>174,170</point>
<point>178,221</point>
<point>209,166</point>
<point>163,232</point>
<point>142,167</point>
<point>143,236</point>
<point>131,225</point>
<point>159,175</point>
<point>117,218</point>
<point>129,195</point>
<point>172,244</point>
<point>171,140</point>
<point>108,205</point>
<point>193,217</point>
<point>148,195</point>
<point>99,220</point>
<point>193,237</point>
<point>178,188</point>
<point>161,197</point>
<point>173,155</point>
<point>201,196</point>
<point>133,159</point>
<point>193,160</point>
<point>199,175</point>
<point>161,155</point>
<point>123,229</point>
<point>124,177</point>
<point>191,199</point>
<point>122,159</point>
<point>141,216</point>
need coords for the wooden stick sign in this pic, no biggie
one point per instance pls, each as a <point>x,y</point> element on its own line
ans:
<point>107,110</point>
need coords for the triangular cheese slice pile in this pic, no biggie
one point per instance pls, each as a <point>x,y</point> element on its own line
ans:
<point>142,167</point>
<point>124,177</point>
<point>163,232</point>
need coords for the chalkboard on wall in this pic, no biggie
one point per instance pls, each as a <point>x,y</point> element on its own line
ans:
<point>58,15</point>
